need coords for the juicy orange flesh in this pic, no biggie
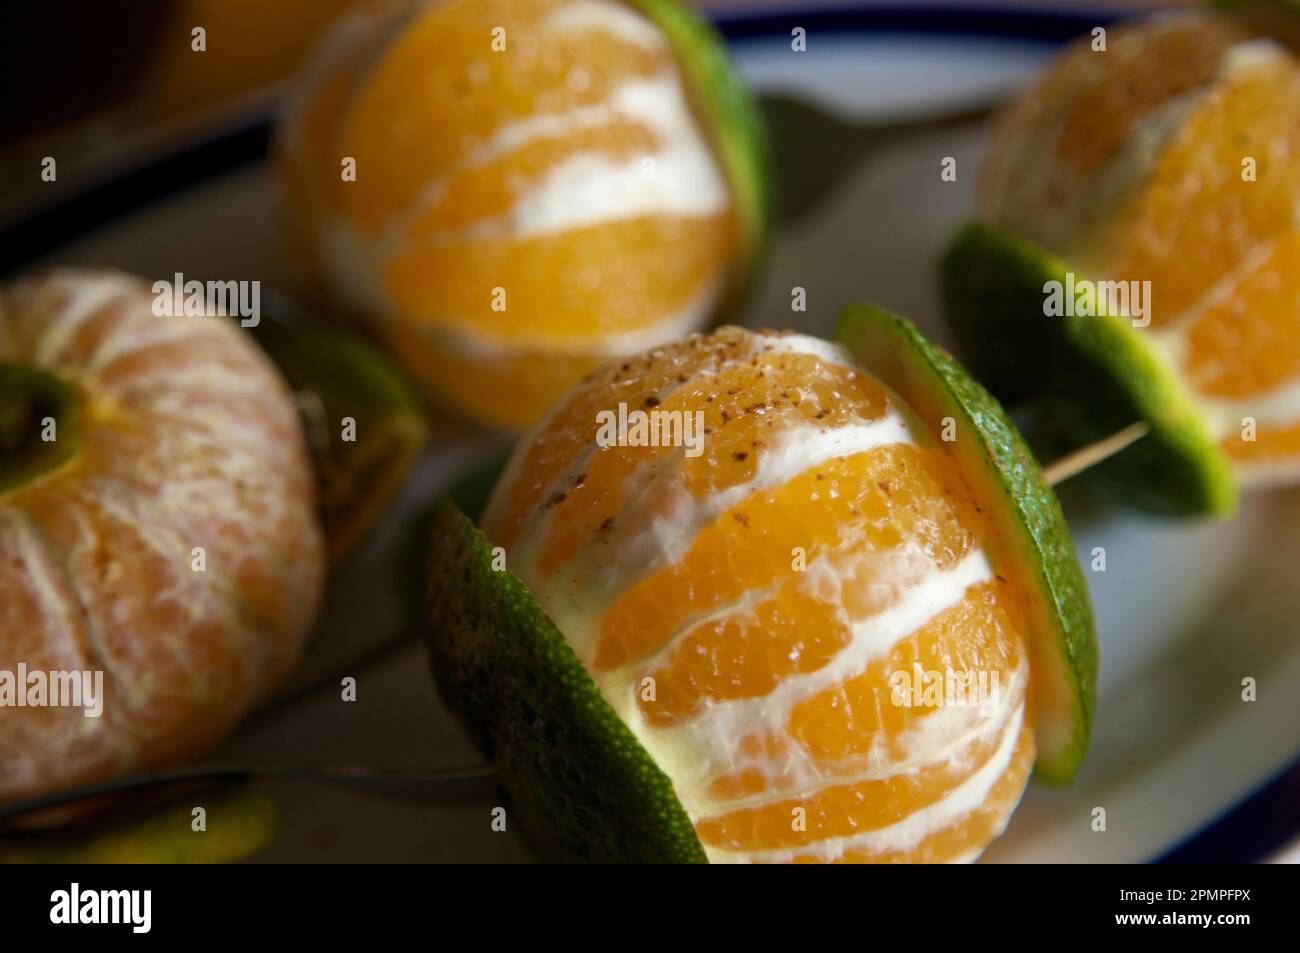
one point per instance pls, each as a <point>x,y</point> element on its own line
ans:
<point>967,836</point>
<point>467,92</point>
<point>1196,218</point>
<point>1083,113</point>
<point>872,502</point>
<point>489,190</point>
<point>1249,342</point>
<point>1142,74</point>
<point>578,285</point>
<point>567,436</point>
<point>509,386</point>
<point>740,411</point>
<point>459,122</point>
<point>841,810</point>
<point>1270,443</point>
<point>735,618</point>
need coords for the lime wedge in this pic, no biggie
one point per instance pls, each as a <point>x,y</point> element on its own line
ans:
<point>365,424</point>
<point>237,822</point>
<point>1093,375</point>
<point>585,788</point>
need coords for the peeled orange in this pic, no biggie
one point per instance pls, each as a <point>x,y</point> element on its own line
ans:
<point>512,192</point>
<point>1165,164</point>
<point>736,633</point>
<point>156,527</point>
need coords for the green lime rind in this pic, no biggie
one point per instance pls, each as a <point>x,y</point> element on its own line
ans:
<point>1093,375</point>
<point>581,784</point>
<point>337,374</point>
<point>737,124</point>
<point>29,396</point>
<point>1036,552</point>
<point>239,822</point>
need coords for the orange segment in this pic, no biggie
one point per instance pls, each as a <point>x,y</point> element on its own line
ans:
<point>488,190</point>
<point>748,652</point>
<point>853,720</point>
<point>577,285</point>
<point>877,501</point>
<point>841,810</point>
<point>1058,161</point>
<point>1197,218</point>
<point>1248,342</point>
<point>1271,443</point>
<point>744,406</point>
<point>468,91</point>
<point>967,836</point>
<point>569,433</point>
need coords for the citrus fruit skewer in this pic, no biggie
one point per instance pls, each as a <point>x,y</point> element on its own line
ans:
<point>1152,189</point>
<point>509,193</point>
<point>697,655</point>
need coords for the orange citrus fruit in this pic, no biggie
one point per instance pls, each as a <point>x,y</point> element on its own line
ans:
<point>515,191</point>
<point>1170,162</point>
<point>782,581</point>
<point>156,526</point>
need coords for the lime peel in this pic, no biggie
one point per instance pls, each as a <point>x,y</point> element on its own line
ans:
<point>1091,375</point>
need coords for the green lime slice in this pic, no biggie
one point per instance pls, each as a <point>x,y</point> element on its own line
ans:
<point>237,822</point>
<point>582,784</point>
<point>365,424</point>
<point>1093,376</point>
<point>1034,551</point>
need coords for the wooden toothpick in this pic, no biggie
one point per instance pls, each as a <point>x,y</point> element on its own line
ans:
<point>1075,463</point>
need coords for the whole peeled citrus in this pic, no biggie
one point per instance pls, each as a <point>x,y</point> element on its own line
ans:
<point>157,530</point>
<point>773,602</point>
<point>1163,171</point>
<point>516,191</point>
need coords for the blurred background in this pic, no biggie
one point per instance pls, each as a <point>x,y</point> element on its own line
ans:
<point>102,84</point>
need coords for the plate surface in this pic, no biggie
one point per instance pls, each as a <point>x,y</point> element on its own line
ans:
<point>1185,611</point>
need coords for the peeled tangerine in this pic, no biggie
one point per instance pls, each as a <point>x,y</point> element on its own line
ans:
<point>1169,162</point>
<point>513,191</point>
<point>807,612</point>
<point>156,526</point>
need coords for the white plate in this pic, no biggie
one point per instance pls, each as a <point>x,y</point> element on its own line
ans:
<point>1185,610</point>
